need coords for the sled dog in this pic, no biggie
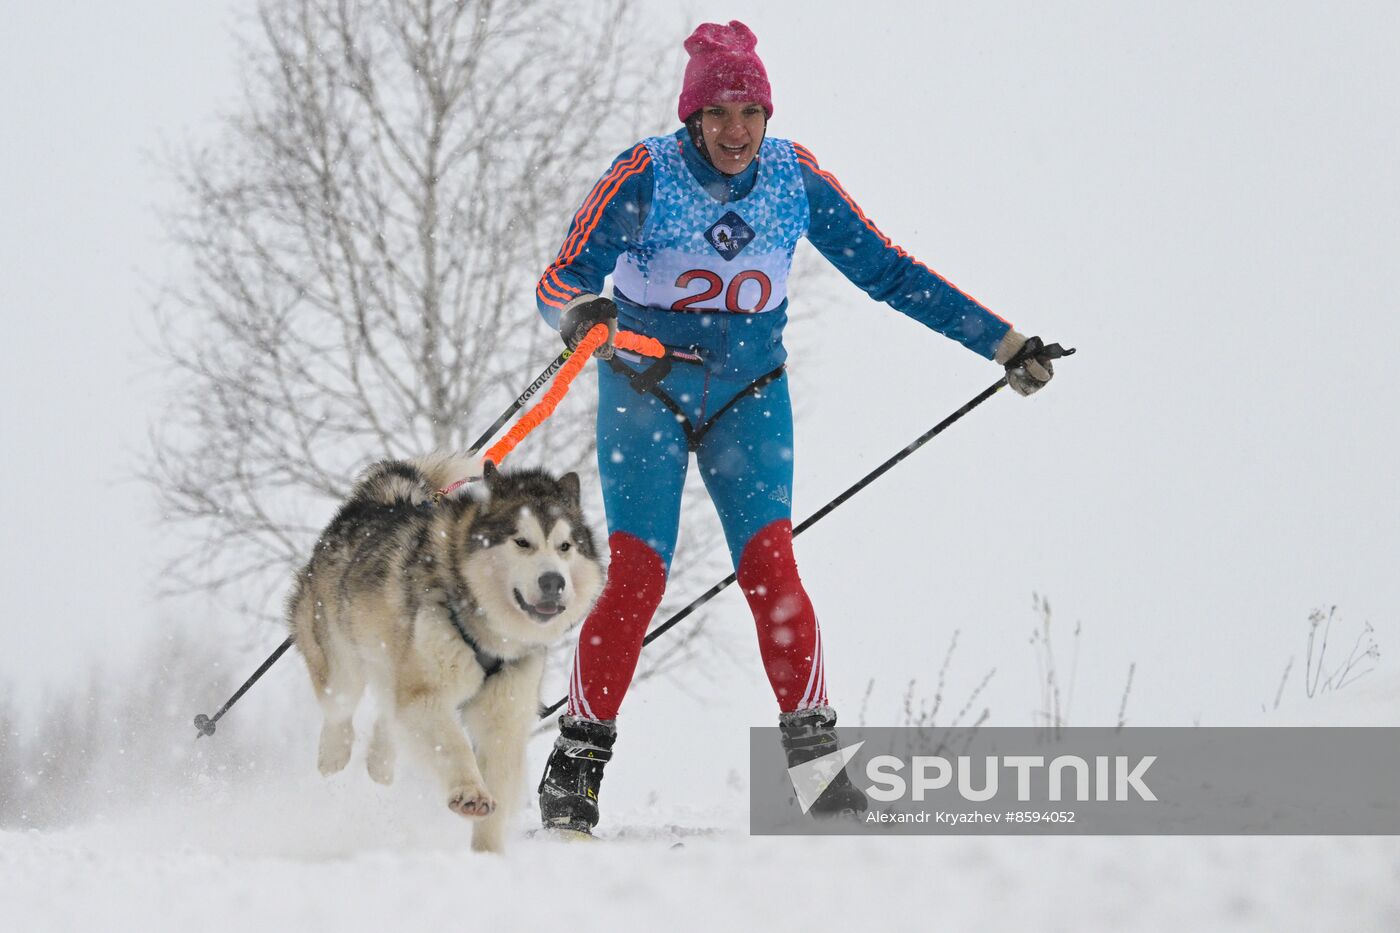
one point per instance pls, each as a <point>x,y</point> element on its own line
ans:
<point>444,609</point>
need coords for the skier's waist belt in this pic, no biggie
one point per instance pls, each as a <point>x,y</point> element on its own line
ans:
<point>731,345</point>
<point>646,382</point>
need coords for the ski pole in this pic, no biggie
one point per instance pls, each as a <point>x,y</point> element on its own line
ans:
<point>516,405</point>
<point>206,724</point>
<point>1051,352</point>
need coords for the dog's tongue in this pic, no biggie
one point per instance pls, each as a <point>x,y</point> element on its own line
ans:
<point>548,609</point>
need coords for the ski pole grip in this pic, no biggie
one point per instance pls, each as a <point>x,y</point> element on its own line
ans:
<point>1036,349</point>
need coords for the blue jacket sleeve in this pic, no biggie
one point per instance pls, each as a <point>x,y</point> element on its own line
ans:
<point>852,243</point>
<point>611,217</point>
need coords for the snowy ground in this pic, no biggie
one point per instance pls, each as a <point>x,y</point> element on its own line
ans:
<point>183,869</point>
<point>299,852</point>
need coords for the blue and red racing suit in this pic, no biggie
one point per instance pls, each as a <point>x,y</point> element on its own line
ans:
<point>700,261</point>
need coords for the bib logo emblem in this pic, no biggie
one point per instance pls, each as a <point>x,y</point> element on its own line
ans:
<point>729,235</point>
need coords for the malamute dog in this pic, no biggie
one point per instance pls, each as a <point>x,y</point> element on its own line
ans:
<point>444,609</point>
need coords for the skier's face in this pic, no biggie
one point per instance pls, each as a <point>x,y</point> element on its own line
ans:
<point>733,133</point>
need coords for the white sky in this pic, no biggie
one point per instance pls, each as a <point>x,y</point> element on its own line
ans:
<point>1203,200</point>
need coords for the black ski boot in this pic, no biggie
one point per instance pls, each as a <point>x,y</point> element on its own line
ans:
<point>809,734</point>
<point>569,788</point>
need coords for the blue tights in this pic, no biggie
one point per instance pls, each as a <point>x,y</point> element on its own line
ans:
<point>745,456</point>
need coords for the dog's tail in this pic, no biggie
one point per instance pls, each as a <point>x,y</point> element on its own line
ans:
<point>444,469</point>
<point>416,481</point>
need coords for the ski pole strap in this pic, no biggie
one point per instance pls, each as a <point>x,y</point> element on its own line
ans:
<point>581,354</point>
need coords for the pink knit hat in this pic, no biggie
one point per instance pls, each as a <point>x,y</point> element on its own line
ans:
<point>723,68</point>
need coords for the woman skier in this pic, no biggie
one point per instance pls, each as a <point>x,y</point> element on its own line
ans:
<point>697,230</point>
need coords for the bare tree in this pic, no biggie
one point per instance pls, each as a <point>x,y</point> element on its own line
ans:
<point>363,243</point>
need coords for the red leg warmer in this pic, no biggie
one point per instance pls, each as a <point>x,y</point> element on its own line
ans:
<point>788,636</point>
<point>611,637</point>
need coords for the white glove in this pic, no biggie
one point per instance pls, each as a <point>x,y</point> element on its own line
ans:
<point>1026,372</point>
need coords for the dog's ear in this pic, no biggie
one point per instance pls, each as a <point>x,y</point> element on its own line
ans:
<point>490,474</point>
<point>569,483</point>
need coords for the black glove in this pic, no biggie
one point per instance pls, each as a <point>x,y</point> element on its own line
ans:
<point>1027,369</point>
<point>580,316</point>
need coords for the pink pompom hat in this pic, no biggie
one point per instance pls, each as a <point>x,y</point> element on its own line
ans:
<point>723,68</point>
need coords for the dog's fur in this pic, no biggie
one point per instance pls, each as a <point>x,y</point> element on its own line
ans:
<point>512,563</point>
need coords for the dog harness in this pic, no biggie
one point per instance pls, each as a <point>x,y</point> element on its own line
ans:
<point>490,663</point>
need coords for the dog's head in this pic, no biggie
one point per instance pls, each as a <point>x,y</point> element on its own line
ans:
<point>530,558</point>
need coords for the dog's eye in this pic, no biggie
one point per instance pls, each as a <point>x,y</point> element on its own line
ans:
<point>522,542</point>
<point>564,547</point>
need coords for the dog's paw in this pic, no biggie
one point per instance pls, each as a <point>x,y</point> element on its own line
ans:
<point>471,803</point>
<point>334,753</point>
<point>379,761</point>
<point>380,768</point>
<point>333,760</point>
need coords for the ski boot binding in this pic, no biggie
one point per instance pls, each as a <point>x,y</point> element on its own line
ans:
<point>572,777</point>
<point>808,734</point>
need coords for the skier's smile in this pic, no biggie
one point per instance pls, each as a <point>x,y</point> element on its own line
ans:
<point>733,133</point>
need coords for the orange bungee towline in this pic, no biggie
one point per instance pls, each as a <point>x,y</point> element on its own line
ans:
<point>574,361</point>
<point>582,353</point>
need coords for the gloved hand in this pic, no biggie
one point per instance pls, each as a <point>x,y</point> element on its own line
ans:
<point>579,317</point>
<point>1026,372</point>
